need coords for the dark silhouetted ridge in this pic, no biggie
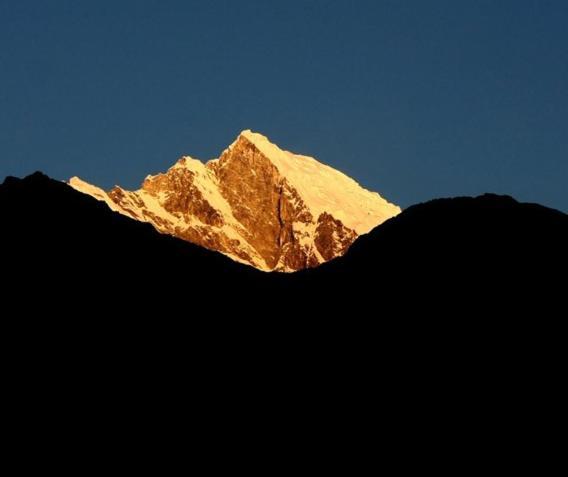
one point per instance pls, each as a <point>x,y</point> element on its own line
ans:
<point>56,241</point>
<point>59,243</point>
<point>445,320</point>
<point>478,248</point>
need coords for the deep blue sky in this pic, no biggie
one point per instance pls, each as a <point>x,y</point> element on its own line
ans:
<point>414,99</point>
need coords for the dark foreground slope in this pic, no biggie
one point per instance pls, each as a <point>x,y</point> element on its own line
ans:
<point>462,253</point>
<point>450,255</point>
<point>440,333</point>
<point>62,245</point>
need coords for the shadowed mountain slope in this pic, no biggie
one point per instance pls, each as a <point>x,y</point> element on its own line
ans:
<point>463,244</point>
<point>58,242</point>
<point>47,223</point>
<point>446,320</point>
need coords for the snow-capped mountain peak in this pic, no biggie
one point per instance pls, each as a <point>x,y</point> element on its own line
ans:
<point>257,203</point>
<point>325,189</point>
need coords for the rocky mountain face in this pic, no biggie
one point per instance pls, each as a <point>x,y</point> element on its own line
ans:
<point>256,203</point>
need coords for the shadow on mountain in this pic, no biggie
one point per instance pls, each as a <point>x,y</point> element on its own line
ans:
<point>456,255</point>
<point>448,318</point>
<point>61,244</point>
<point>447,255</point>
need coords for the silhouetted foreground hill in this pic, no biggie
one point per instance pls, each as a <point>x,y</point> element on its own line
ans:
<point>443,326</point>
<point>60,245</point>
<point>482,249</point>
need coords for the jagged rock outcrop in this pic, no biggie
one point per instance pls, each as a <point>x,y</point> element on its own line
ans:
<point>257,203</point>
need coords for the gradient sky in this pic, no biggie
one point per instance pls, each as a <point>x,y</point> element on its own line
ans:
<point>414,99</point>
